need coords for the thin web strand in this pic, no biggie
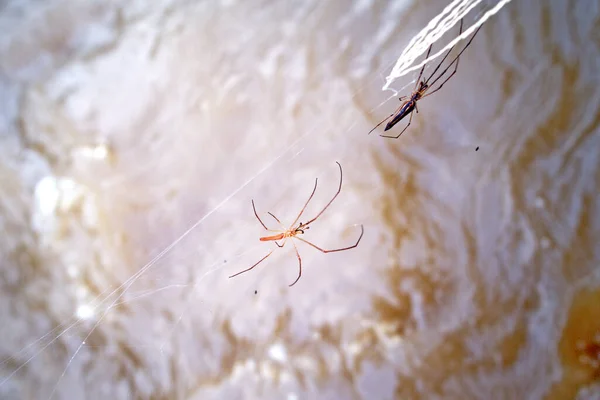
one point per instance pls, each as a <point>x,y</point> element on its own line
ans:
<point>420,43</point>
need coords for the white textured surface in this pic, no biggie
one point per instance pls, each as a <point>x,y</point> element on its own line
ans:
<point>124,125</point>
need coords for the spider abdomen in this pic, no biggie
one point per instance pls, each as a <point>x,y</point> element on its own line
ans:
<point>274,237</point>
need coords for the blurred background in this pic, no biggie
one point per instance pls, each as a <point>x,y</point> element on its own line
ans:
<point>134,135</point>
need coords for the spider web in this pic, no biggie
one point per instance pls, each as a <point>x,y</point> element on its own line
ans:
<point>98,309</point>
<point>434,30</point>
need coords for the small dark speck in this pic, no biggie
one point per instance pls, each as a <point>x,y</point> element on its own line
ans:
<point>224,261</point>
<point>256,291</point>
<point>476,148</point>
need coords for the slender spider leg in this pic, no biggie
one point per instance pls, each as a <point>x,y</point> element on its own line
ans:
<point>299,265</point>
<point>330,201</point>
<point>457,56</point>
<point>276,219</point>
<point>305,204</point>
<point>423,68</point>
<point>248,269</point>
<point>257,217</point>
<point>446,80</point>
<point>400,134</point>
<point>362,231</point>
<point>281,225</point>
<point>441,62</point>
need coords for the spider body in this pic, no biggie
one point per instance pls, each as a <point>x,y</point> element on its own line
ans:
<point>295,230</point>
<point>407,107</point>
<point>275,237</point>
<point>422,88</point>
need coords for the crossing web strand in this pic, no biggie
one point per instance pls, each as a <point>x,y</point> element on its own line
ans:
<point>434,30</point>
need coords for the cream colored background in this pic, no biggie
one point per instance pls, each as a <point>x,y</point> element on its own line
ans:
<point>124,124</point>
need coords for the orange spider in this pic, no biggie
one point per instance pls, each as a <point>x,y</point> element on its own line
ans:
<point>292,232</point>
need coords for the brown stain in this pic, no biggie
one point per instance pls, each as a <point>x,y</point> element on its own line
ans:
<point>579,346</point>
<point>579,253</point>
<point>402,208</point>
<point>238,350</point>
<point>372,350</point>
<point>395,312</point>
<point>452,358</point>
<point>509,347</point>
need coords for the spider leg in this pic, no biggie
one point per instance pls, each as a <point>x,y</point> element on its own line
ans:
<point>362,231</point>
<point>306,204</point>
<point>277,219</point>
<point>423,68</point>
<point>299,265</point>
<point>446,80</point>
<point>248,269</point>
<point>332,199</point>
<point>450,65</point>
<point>405,128</point>
<point>280,245</point>
<point>441,62</point>
<point>257,217</point>
<point>453,61</point>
